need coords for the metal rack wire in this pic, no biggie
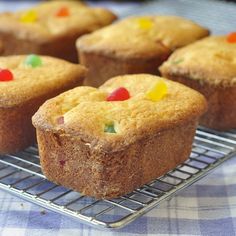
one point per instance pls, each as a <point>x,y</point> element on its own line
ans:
<point>21,175</point>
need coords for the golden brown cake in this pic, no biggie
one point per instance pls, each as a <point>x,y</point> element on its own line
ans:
<point>134,45</point>
<point>25,83</point>
<point>209,66</point>
<point>50,28</point>
<point>1,47</point>
<point>108,141</point>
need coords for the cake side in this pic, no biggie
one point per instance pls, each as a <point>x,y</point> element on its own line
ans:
<point>61,47</point>
<point>98,73</point>
<point>221,111</point>
<point>73,163</point>
<point>16,129</point>
<point>1,47</point>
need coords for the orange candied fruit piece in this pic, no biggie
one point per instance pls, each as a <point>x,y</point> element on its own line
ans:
<point>63,12</point>
<point>231,38</point>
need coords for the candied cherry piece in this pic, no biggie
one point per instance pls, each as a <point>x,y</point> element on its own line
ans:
<point>29,17</point>
<point>63,12</point>
<point>119,94</point>
<point>6,75</point>
<point>33,61</point>
<point>157,92</point>
<point>145,23</point>
<point>110,128</point>
<point>62,162</point>
<point>231,38</point>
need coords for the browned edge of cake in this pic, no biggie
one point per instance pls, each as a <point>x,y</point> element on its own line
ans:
<point>221,114</point>
<point>98,73</point>
<point>71,162</point>
<point>1,47</point>
<point>61,47</point>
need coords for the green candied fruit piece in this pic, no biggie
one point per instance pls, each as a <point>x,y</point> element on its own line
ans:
<point>178,61</point>
<point>110,128</point>
<point>33,61</point>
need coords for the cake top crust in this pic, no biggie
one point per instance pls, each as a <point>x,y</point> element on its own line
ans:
<point>211,60</point>
<point>145,36</point>
<point>50,20</point>
<point>84,112</point>
<point>29,82</point>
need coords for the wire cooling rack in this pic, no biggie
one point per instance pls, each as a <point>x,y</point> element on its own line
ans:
<point>21,175</point>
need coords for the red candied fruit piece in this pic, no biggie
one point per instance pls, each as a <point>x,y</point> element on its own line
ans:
<point>120,94</point>
<point>62,162</point>
<point>63,12</point>
<point>6,75</point>
<point>60,120</point>
<point>231,38</point>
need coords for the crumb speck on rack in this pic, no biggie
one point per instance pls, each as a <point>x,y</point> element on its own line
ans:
<point>43,212</point>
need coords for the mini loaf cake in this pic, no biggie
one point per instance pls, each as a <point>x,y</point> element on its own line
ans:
<point>209,66</point>
<point>50,28</point>
<point>134,45</point>
<point>108,141</point>
<point>25,83</point>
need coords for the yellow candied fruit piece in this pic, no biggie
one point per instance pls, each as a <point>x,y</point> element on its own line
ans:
<point>145,23</point>
<point>157,91</point>
<point>29,17</point>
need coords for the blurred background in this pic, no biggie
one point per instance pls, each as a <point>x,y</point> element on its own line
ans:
<point>218,15</point>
